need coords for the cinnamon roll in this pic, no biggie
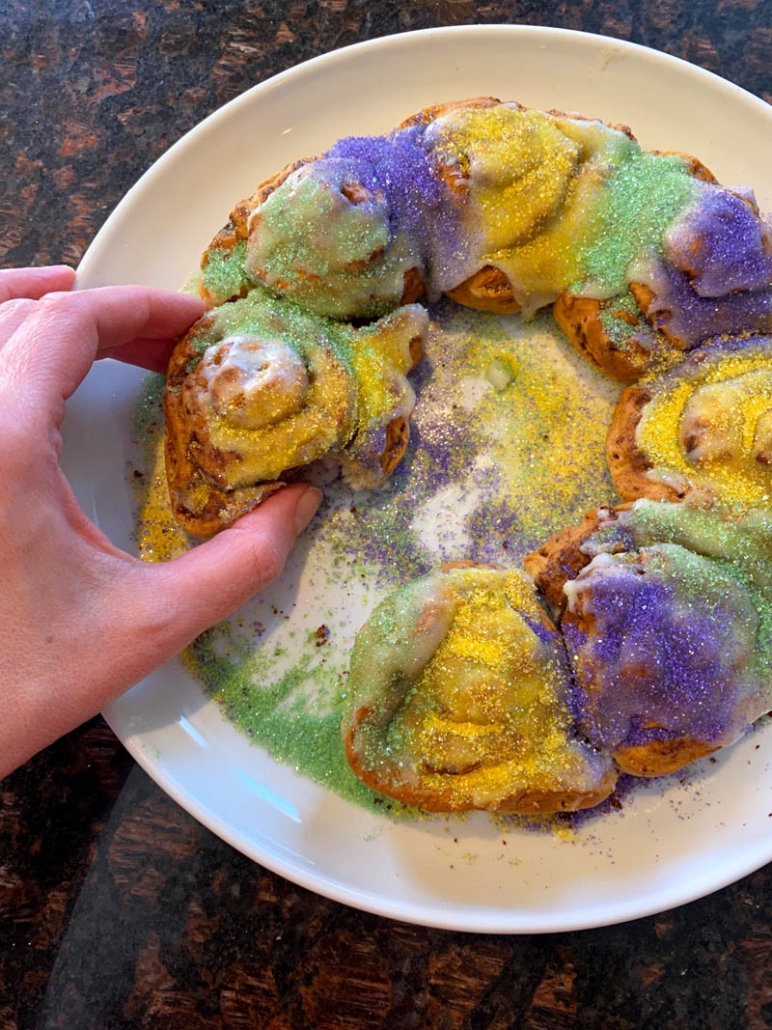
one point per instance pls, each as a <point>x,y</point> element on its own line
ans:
<point>258,390</point>
<point>459,697</point>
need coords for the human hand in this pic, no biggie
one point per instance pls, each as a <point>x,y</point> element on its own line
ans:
<point>80,620</point>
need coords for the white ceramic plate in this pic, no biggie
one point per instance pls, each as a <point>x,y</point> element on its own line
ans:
<point>672,841</point>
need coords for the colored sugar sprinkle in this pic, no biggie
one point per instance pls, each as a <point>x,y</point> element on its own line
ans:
<point>225,274</point>
<point>646,195</point>
<point>711,426</point>
<point>618,316</point>
<point>693,631</point>
<point>470,486</point>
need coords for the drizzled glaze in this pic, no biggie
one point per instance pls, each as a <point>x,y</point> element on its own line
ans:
<point>555,203</point>
<point>708,424</point>
<point>260,387</point>
<point>459,698</point>
<point>670,627</point>
<point>560,204</point>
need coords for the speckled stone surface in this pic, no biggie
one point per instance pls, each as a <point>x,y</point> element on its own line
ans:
<point>117,910</point>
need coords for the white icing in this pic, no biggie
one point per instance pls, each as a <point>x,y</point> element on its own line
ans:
<point>253,382</point>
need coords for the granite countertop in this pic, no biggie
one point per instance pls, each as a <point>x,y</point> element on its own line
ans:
<point>117,909</point>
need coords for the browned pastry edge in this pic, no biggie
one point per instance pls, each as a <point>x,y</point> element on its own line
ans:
<point>487,290</point>
<point>389,780</point>
<point>661,757</point>
<point>579,318</point>
<point>561,559</point>
<point>643,296</point>
<point>627,464</point>
<point>435,111</point>
<point>236,229</point>
<point>697,169</point>
<point>397,432</point>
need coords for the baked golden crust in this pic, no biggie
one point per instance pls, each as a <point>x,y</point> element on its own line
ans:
<point>627,464</point>
<point>661,757</point>
<point>390,780</point>
<point>697,169</point>
<point>580,319</point>
<point>235,233</point>
<point>486,290</point>
<point>199,505</point>
<point>206,496</point>
<point>623,355</point>
<point>561,559</point>
<point>701,429</point>
<point>435,111</point>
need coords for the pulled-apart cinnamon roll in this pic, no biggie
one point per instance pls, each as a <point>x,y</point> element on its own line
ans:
<point>259,388</point>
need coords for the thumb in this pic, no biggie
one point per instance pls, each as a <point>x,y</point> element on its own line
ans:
<point>211,581</point>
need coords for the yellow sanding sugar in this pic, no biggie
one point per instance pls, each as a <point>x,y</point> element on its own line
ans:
<point>734,472</point>
<point>488,707</point>
<point>159,537</point>
<point>522,155</point>
<point>547,425</point>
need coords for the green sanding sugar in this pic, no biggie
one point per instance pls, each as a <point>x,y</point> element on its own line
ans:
<point>648,192</point>
<point>470,486</point>
<point>147,421</point>
<point>738,552</point>
<point>225,273</point>
<point>615,324</point>
<point>276,714</point>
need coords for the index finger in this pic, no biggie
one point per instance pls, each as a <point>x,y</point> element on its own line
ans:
<point>57,344</point>
<point>34,283</point>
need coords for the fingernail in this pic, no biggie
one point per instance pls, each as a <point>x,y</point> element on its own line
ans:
<point>306,507</point>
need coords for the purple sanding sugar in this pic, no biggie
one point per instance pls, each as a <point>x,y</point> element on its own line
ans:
<point>655,657</point>
<point>398,167</point>
<point>714,351</point>
<point>497,525</point>
<point>679,309</point>
<point>419,201</point>
<point>546,635</point>
<point>720,242</point>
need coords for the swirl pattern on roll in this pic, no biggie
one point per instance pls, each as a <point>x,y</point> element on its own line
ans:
<point>459,696</point>
<point>702,429</point>
<point>259,388</point>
